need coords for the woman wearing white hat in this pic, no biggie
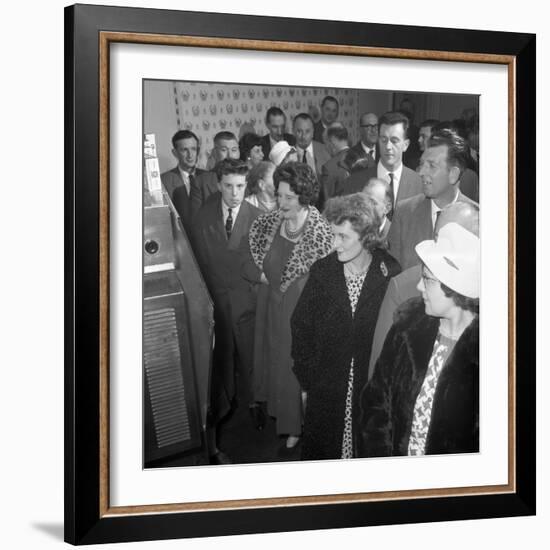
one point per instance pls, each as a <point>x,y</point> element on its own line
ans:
<point>424,395</point>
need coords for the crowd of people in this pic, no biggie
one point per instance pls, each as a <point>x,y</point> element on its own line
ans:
<point>345,279</point>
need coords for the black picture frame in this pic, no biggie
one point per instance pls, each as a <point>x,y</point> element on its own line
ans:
<point>88,518</point>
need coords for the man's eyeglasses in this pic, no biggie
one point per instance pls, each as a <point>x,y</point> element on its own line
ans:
<point>371,126</point>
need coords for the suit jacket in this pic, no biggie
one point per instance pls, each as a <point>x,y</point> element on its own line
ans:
<point>266,143</point>
<point>205,185</point>
<point>333,174</point>
<point>401,288</point>
<point>220,260</point>
<point>412,224</point>
<point>358,148</point>
<point>409,185</point>
<point>469,184</point>
<point>318,131</point>
<point>172,180</point>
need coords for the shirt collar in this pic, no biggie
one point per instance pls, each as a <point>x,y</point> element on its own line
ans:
<point>382,172</point>
<point>234,211</point>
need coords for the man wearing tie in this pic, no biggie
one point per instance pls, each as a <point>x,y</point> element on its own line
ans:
<point>392,142</point>
<point>441,166</point>
<point>221,235</point>
<point>310,152</point>
<point>179,181</point>
<point>367,146</point>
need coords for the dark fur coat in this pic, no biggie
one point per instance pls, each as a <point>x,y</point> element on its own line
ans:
<point>388,401</point>
<point>325,338</point>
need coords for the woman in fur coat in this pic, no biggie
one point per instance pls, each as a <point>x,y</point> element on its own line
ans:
<point>424,395</point>
<point>333,325</point>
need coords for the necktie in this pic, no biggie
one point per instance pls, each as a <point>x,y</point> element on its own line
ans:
<point>389,215</point>
<point>304,157</point>
<point>371,155</point>
<point>436,218</point>
<point>229,224</point>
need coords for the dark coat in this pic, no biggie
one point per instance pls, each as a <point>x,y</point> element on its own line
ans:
<point>387,402</point>
<point>325,338</point>
<point>333,174</point>
<point>358,148</point>
<point>205,185</point>
<point>266,143</point>
<point>234,298</point>
<point>172,180</point>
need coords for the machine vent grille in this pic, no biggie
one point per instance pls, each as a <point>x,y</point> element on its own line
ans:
<point>164,377</point>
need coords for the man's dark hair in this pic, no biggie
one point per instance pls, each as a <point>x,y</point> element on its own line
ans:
<point>226,136</point>
<point>338,132</point>
<point>395,117</point>
<point>301,179</point>
<point>274,111</point>
<point>184,134</point>
<point>329,98</point>
<point>457,152</point>
<point>429,123</point>
<point>302,116</point>
<point>228,167</point>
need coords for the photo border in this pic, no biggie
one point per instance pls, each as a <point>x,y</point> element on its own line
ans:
<point>88,516</point>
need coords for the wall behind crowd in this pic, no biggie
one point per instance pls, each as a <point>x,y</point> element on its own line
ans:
<point>208,108</point>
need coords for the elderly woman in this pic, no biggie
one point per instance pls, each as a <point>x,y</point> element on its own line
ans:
<point>260,187</point>
<point>424,395</point>
<point>333,325</point>
<point>283,246</point>
<point>250,146</point>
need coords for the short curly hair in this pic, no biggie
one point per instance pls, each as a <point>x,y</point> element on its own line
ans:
<point>362,212</point>
<point>301,180</point>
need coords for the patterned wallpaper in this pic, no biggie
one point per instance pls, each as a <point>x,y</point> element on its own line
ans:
<point>207,109</point>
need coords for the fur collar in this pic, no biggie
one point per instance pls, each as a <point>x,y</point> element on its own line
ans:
<point>316,242</point>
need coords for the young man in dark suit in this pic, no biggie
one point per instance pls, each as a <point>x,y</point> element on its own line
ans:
<point>392,142</point>
<point>329,115</point>
<point>221,233</point>
<point>441,166</point>
<point>179,181</point>
<point>275,120</point>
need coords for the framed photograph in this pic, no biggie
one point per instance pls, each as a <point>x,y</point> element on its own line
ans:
<point>150,454</point>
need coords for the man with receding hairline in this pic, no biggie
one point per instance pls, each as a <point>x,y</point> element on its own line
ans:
<point>402,287</point>
<point>329,115</point>
<point>380,190</point>
<point>367,146</point>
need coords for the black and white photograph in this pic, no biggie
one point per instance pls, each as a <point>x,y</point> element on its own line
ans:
<point>311,273</point>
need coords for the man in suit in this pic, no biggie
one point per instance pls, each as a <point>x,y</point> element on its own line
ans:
<point>310,152</point>
<point>441,165</point>
<point>403,287</point>
<point>221,231</point>
<point>367,146</point>
<point>380,190</point>
<point>392,142</point>
<point>275,120</point>
<point>329,114</point>
<point>334,171</point>
<point>180,181</point>
<point>226,145</point>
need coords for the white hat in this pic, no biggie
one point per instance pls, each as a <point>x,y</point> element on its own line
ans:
<point>453,259</point>
<point>279,151</point>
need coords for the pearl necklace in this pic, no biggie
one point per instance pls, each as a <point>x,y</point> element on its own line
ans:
<point>293,235</point>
